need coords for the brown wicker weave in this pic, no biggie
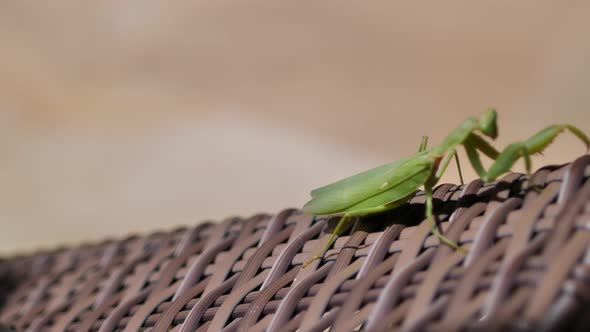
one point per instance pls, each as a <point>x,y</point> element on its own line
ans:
<point>527,268</point>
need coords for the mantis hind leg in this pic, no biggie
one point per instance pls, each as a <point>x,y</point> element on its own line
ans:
<point>434,226</point>
<point>330,242</point>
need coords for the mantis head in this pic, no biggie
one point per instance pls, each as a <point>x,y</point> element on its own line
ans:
<point>487,123</point>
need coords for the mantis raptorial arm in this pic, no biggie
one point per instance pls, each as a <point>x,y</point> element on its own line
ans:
<point>475,160</point>
<point>482,145</point>
<point>472,145</point>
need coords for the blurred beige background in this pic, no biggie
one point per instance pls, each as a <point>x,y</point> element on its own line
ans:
<point>132,116</point>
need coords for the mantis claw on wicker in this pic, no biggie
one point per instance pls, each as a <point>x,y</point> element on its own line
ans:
<point>388,186</point>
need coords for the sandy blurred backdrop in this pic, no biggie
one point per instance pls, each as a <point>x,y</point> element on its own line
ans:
<point>131,116</point>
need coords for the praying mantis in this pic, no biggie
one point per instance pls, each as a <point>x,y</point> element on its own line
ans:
<point>388,186</point>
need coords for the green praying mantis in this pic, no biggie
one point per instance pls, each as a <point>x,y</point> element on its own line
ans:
<point>388,186</point>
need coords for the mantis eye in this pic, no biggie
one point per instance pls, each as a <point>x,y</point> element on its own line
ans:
<point>487,123</point>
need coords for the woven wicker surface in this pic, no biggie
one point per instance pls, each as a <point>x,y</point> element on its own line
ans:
<point>527,268</point>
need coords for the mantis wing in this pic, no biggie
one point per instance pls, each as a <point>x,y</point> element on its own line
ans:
<point>376,175</point>
<point>393,197</point>
<point>345,193</point>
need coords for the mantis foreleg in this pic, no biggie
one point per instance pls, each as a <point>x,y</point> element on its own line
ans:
<point>474,144</point>
<point>475,160</point>
<point>482,145</point>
